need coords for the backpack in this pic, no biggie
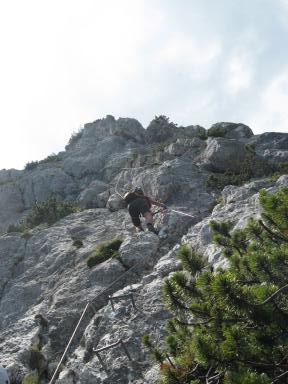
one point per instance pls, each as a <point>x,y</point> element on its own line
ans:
<point>130,196</point>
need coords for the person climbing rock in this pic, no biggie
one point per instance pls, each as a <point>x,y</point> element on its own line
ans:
<point>4,379</point>
<point>140,205</point>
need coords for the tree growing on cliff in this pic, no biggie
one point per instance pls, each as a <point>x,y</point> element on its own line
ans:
<point>230,326</point>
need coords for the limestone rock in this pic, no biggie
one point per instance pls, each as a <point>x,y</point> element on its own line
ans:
<point>90,197</point>
<point>45,273</point>
<point>11,204</point>
<point>115,202</point>
<point>127,128</point>
<point>230,131</point>
<point>191,147</point>
<point>272,146</point>
<point>40,183</point>
<point>140,251</point>
<point>8,175</point>
<point>160,130</point>
<point>223,154</point>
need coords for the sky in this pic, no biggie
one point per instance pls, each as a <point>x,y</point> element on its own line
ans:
<point>65,63</point>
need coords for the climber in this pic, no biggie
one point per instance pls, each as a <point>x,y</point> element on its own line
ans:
<point>140,205</point>
<point>4,379</point>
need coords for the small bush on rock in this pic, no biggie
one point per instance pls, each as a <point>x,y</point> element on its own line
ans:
<point>50,159</point>
<point>31,378</point>
<point>103,252</point>
<point>75,137</point>
<point>47,212</point>
<point>31,165</point>
<point>216,132</point>
<point>77,243</point>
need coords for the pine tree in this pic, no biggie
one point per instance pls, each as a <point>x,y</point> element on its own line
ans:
<point>230,326</point>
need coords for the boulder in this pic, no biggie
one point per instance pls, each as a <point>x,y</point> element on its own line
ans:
<point>126,128</point>
<point>193,131</point>
<point>90,197</point>
<point>115,203</point>
<point>160,130</point>
<point>230,131</point>
<point>140,251</point>
<point>190,147</point>
<point>222,154</point>
<point>272,146</point>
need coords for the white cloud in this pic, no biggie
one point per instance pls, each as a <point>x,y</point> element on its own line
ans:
<point>65,63</point>
<point>189,56</point>
<point>239,75</point>
<point>272,113</point>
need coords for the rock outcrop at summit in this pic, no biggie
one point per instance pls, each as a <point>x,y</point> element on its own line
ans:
<point>45,282</point>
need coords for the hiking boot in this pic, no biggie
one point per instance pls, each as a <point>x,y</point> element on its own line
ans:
<point>152,229</point>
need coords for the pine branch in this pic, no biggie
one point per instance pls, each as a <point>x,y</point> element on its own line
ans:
<point>279,377</point>
<point>264,365</point>
<point>273,236</point>
<point>192,324</point>
<point>275,294</point>
<point>216,377</point>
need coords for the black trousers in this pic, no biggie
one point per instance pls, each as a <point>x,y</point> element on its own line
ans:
<point>136,208</point>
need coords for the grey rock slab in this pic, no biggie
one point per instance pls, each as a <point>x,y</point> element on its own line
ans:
<point>237,210</point>
<point>123,322</point>
<point>190,147</point>
<point>233,130</point>
<point>8,175</point>
<point>232,193</point>
<point>223,154</point>
<point>89,197</point>
<point>141,251</point>
<point>115,203</point>
<point>272,146</point>
<point>11,204</point>
<point>282,181</point>
<point>40,183</point>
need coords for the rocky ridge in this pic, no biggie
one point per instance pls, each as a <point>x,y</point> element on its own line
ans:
<point>45,282</point>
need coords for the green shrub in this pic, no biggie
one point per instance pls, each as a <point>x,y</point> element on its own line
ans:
<point>14,228</point>
<point>77,243</point>
<point>279,170</point>
<point>104,251</point>
<point>202,135</point>
<point>37,360</point>
<point>31,378</point>
<point>230,326</point>
<point>216,132</point>
<point>75,137</point>
<point>50,159</point>
<point>164,120</point>
<point>26,234</point>
<point>47,212</point>
<point>31,165</point>
<point>34,164</point>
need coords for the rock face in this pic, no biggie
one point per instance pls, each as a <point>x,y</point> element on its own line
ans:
<point>223,154</point>
<point>45,282</point>
<point>230,131</point>
<point>272,146</point>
